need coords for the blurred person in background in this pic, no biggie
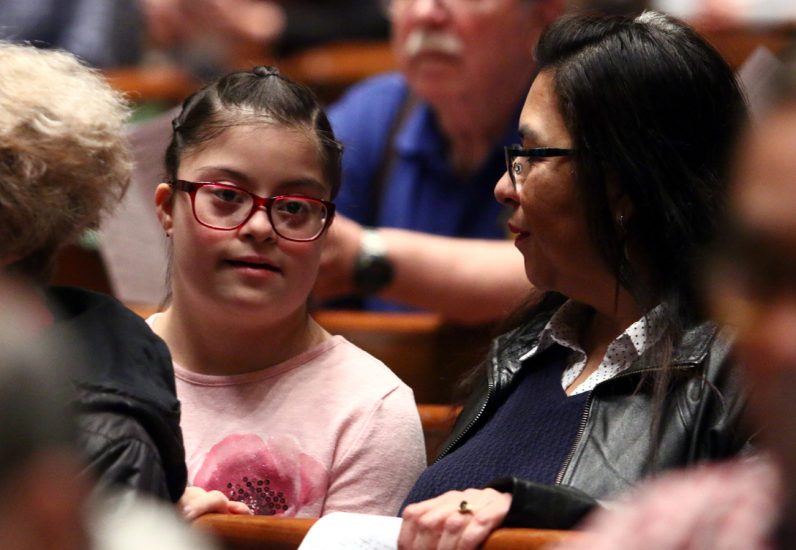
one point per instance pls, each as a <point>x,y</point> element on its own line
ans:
<point>64,164</point>
<point>751,285</point>
<point>209,35</point>
<point>423,149</point>
<point>102,33</point>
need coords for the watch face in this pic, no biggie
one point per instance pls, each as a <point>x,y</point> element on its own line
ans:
<point>372,273</point>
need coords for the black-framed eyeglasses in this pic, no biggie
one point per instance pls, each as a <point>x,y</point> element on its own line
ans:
<point>226,207</point>
<point>518,159</point>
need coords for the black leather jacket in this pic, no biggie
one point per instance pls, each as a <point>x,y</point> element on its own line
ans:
<point>700,420</point>
<point>128,415</point>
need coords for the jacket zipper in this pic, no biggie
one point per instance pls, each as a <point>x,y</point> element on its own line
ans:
<point>490,388</point>
<point>585,418</point>
<point>581,428</point>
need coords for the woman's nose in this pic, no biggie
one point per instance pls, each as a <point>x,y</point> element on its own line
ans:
<point>505,192</point>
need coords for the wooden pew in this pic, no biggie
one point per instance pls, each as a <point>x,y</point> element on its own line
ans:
<point>166,83</point>
<point>331,68</point>
<point>328,69</point>
<point>437,421</point>
<point>426,353</point>
<point>259,532</point>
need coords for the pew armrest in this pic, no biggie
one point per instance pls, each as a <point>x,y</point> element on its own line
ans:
<point>276,533</point>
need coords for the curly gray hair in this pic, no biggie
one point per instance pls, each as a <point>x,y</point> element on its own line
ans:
<point>63,156</point>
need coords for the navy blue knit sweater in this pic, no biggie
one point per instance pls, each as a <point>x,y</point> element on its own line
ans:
<point>528,436</point>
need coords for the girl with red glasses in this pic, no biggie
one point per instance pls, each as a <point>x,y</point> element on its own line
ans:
<point>279,416</point>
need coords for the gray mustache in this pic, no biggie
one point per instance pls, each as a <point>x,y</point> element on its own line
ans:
<point>420,41</point>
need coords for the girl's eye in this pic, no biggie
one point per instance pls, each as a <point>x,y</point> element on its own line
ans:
<point>292,206</point>
<point>227,195</point>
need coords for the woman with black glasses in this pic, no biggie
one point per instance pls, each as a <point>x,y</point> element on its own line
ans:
<point>279,416</point>
<point>614,374</point>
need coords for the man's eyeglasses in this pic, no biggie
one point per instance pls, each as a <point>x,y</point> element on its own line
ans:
<point>226,207</point>
<point>518,160</point>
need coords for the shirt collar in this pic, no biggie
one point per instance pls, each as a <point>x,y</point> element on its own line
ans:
<point>565,324</point>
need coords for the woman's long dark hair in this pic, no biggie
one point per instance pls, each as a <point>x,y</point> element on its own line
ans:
<point>653,111</point>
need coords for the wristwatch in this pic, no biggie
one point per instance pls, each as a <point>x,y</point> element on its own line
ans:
<point>373,271</point>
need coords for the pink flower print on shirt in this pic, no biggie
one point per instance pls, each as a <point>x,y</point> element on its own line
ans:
<point>271,477</point>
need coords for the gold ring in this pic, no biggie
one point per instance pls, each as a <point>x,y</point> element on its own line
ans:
<point>464,508</point>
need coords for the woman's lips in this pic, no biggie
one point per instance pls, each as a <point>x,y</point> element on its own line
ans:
<point>520,234</point>
<point>253,264</point>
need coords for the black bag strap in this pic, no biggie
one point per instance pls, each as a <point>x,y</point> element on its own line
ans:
<point>389,157</point>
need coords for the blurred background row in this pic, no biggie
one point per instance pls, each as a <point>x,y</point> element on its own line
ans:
<point>159,50</point>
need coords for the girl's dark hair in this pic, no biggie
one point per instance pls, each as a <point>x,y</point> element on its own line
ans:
<point>247,97</point>
<point>655,110</point>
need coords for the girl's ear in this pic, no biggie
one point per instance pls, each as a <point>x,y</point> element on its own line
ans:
<point>164,205</point>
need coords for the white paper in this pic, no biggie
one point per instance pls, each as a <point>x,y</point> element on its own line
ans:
<point>132,243</point>
<point>343,530</point>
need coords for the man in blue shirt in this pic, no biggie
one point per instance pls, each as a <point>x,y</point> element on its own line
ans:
<point>424,149</point>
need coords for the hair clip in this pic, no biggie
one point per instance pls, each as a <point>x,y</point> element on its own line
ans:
<point>265,70</point>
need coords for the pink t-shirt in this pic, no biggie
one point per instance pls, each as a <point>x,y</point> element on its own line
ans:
<point>332,429</point>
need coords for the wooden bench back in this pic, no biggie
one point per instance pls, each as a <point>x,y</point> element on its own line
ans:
<point>427,354</point>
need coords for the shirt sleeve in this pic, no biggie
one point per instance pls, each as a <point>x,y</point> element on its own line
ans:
<point>376,472</point>
<point>120,453</point>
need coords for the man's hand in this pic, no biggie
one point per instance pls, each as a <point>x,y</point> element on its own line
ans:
<point>336,274</point>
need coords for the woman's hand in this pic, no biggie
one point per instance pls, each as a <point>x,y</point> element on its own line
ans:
<point>196,502</point>
<point>445,523</point>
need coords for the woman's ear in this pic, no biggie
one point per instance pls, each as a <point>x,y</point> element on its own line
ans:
<point>619,202</point>
<point>164,205</point>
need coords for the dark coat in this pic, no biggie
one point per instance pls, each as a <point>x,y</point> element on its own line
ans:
<point>700,420</point>
<point>128,414</point>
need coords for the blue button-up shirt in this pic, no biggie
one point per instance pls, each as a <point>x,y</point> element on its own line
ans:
<point>422,192</point>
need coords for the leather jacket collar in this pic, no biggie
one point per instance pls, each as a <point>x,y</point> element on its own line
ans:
<point>510,349</point>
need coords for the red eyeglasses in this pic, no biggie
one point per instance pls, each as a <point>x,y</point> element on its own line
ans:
<point>226,207</point>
